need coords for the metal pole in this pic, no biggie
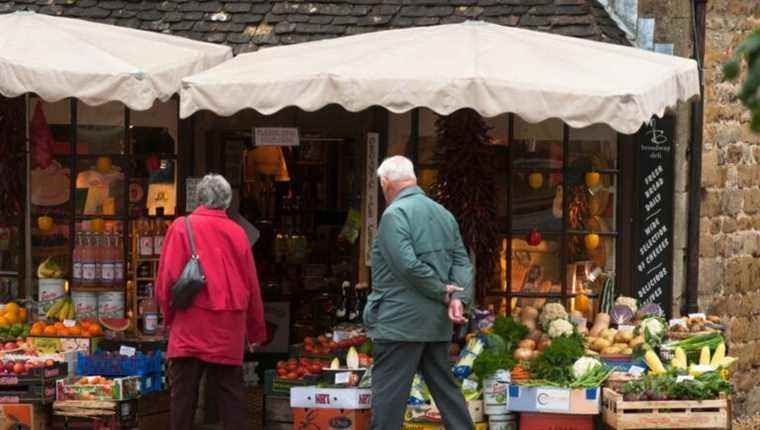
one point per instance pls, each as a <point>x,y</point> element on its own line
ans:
<point>28,206</point>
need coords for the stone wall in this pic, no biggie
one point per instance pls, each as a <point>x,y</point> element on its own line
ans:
<point>729,280</point>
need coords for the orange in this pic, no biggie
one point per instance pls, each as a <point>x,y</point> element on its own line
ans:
<point>75,331</point>
<point>11,317</point>
<point>96,329</point>
<point>12,308</point>
<point>39,324</point>
<point>58,325</point>
<point>36,331</point>
<point>22,315</point>
<point>64,331</point>
<point>49,331</point>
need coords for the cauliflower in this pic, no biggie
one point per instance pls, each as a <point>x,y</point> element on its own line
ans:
<point>551,312</point>
<point>584,365</point>
<point>630,302</point>
<point>560,327</point>
<point>653,327</point>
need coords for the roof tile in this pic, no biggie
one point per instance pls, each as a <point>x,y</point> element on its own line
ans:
<point>250,24</point>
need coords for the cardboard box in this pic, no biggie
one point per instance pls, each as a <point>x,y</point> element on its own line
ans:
<point>432,426</point>
<point>555,400</point>
<point>331,419</point>
<point>120,389</point>
<point>330,398</point>
<point>431,414</point>
<point>20,415</point>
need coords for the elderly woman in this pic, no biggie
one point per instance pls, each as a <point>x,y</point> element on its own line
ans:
<point>210,336</point>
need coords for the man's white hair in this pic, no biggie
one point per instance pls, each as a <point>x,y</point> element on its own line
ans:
<point>396,168</point>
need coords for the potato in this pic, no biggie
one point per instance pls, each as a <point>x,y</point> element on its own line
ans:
<point>590,340</point>
<point>600,344</point>
<point>621,346</point>
<point>611,350</point>
<point>624,336</point>
<point>636,341</point>
<point>531,324</point>
<point>627,351</point>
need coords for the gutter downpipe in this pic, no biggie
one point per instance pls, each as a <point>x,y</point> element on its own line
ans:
<point>699,12</point>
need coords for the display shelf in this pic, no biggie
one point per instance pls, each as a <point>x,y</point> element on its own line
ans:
<point>98,289</point>
<point>51,251</point>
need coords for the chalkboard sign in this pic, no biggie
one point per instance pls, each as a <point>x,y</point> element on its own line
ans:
<point>653,253</point>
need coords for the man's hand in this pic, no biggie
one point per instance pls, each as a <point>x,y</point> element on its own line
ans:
<point>451,289</point>
<point>456,312</point>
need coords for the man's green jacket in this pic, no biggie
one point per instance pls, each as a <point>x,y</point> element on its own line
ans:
<point>417,252</point>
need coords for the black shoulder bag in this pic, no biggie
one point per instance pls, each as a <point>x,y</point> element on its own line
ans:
<point>192,279</point>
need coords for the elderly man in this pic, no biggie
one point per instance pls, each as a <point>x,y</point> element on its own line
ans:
<point>421,281</point>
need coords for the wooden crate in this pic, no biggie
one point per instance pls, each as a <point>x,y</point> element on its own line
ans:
<point>669,414</point>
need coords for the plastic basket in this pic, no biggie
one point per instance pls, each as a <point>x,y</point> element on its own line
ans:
<point>119,365</point>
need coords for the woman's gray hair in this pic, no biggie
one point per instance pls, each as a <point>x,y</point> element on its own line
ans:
<point>214,192</point>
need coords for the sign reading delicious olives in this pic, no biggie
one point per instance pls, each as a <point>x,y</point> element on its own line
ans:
<point>653,255</point>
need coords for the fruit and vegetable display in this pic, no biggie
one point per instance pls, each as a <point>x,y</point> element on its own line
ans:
<point>325,345</point>
<point>295,369</point>
<point>672,385</point>
<point>50,269</point>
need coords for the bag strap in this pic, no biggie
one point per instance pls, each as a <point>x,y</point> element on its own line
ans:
<point>190,236</point>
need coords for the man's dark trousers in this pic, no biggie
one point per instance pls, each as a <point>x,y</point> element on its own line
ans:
<point>395,364</point>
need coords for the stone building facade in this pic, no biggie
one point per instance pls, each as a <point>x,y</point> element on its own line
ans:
<point>730,225</point>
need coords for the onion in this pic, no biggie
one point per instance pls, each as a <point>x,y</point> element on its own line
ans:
<point>535,335</point>
<point>527,344</point>
<point>522,354</point>
<point>530,324</point>
<point>544,343</point>
<point>529,312</point>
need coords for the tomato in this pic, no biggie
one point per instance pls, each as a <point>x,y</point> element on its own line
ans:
<point>332,345</point>
<point>291,375</point>
<point>19,368</point>
<point>292,367</point>
<point>308,341</point>
<point>300,372</point>
<point>282,371</point>
<point>292,361</point>
<point>322,339</point>
<point>309,348</point>
<point>316,368</point>
<point>359,340</point>
<point>281,364</point>
<point>305,362</point>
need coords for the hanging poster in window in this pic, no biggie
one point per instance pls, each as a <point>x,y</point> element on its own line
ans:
<point>370,202</point>
<point>653,253</point>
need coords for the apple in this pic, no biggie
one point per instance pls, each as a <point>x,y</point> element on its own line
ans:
<point>19,368</point>
<point>10,346</point>
<point>534,237</point>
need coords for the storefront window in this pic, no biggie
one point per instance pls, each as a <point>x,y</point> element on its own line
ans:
<point>98,173</point>
<point>557,192</point>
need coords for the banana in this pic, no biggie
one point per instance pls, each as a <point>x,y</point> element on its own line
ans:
<point>55,309</point>
<point>64,311</point>
<point>72,311</point>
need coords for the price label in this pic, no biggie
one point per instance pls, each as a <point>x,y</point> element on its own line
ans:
<point>698,316</point>
<point>127,351</point>
<point>682,378</point>
<point>626,328</point>
<point>342,378</point>
<point>636,371</point>
<point>675,322</point>
<point>69,323</point>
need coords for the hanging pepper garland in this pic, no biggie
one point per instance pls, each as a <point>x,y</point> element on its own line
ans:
<point>466,186</point>
<point>11,157</point>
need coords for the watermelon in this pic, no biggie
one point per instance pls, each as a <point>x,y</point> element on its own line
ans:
<point>115,324</point>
